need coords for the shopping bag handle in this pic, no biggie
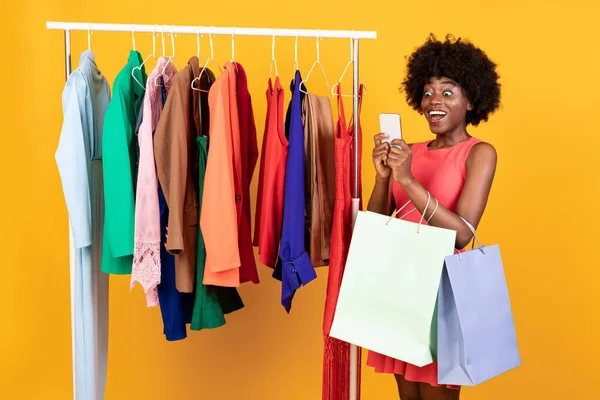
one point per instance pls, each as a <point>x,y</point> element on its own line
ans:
<point>437,203</point>
<point>475,238</point>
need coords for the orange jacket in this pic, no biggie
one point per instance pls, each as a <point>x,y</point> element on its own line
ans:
<point>218,218</point>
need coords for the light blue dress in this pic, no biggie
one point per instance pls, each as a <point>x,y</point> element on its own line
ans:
<point>79,160</point>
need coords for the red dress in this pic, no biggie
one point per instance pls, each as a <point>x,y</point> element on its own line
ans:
<point>442,172</point>
<point>271,179</point>
<point>336,357</point>
<point>246,158</point>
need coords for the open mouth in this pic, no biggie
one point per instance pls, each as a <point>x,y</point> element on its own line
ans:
<point>436,115</point>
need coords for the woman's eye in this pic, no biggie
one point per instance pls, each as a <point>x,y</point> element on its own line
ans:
<point>447,93</point>
<point>427,94</point>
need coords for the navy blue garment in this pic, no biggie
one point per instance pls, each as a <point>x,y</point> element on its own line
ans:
<point>294,267</point>
<point>176,308</point>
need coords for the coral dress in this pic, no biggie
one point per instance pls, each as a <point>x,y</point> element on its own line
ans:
<point>442,172</point>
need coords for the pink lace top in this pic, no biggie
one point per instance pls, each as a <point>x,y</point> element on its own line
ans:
<point>146,253</point>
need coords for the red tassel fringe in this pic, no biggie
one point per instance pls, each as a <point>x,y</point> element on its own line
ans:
<point>336,365</point>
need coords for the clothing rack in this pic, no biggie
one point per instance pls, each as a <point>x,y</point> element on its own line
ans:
<point>67,27</point>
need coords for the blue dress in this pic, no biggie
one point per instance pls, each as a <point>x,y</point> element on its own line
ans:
<point>78,157</point>
<point>294,267</point>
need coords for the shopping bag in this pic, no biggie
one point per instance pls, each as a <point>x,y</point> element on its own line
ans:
<point>390,284</point>
<point>476,332</point>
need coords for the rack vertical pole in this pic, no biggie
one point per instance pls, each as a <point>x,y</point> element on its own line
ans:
<point>353,373</point>
<point>71,241</point>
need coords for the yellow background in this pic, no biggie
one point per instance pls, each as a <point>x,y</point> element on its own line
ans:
<point>543,209</point>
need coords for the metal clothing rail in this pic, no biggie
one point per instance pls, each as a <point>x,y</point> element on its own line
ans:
<point>314,33</point>
<point>67,27</point>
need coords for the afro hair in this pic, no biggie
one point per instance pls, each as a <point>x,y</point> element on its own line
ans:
<point>460,61</point>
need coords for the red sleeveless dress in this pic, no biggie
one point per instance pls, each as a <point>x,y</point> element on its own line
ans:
<point>271,179</point>
<point>442,172</point>
<point>336,353</point>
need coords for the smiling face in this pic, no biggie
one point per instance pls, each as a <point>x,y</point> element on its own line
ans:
<point>445,106</point>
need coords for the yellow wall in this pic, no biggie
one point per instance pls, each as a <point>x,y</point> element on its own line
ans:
<point>543,209</point>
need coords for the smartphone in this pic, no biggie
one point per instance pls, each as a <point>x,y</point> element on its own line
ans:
<point>390,124</point>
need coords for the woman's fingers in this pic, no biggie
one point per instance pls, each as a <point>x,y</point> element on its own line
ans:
<point>379,137</point>
<point>399,142</point>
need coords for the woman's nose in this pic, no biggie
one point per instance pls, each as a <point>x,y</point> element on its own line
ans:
<point>436,99</point>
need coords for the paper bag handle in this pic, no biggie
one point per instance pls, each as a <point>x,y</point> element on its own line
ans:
<point>475,238</point>
<point>437,203</point>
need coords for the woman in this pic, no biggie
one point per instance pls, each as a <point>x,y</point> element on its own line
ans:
<point>454,84</point>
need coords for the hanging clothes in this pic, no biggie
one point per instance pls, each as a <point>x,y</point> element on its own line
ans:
<point>78,156</point>
<point>320,176</point>
<point>175,153</point>
<point>134,151</point>
<point>294,266</point>
<point>176,308</point>
<point>245,157</point>
<point>207,311</point>
<point>219,217</point>
<point>120,120</point>
<point>211,302</point>
<point>336,353</point>
<point>271,179</point>
<point>146,254</point>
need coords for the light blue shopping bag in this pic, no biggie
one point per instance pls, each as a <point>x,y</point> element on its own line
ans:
<point>476,332</point>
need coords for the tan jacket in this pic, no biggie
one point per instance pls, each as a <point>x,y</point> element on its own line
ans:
<point>176,156</point>
<point>319,148</point>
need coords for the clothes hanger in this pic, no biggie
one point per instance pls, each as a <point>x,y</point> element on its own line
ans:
<point>89,36</point>
<point>212,58</point>
<point>147,58</point>
<point>296,53</point>
<point>198,36</point>
<point>170,61</point>
<point>232,61</point>
<point>317,62</point>
<point>273,60</point>
<point>333,94</point>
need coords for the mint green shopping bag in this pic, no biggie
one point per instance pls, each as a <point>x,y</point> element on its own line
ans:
<point>390,285</point>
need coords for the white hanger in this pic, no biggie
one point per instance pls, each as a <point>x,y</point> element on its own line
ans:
<point>317,62</point>
<point>89,35</point>
<point>153,55</point>
<point>170,61</point>
<point>296,53</point>
<point>232,61</point>
<point>232,46</point>
<point>273,60</point>
<point>198,46</point>
<point>333,94</point>
<point>212,58</point>
<point>162,38</point>
<point>133,37</point>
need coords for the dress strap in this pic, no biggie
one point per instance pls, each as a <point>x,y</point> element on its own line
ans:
<point>340,104</point>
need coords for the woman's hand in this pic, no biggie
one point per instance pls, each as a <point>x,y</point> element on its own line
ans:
<point>380,156</point>
<point>400,161</point>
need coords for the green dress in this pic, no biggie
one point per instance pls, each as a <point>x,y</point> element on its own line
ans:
<point>119,123</point>
<point>211,301</point>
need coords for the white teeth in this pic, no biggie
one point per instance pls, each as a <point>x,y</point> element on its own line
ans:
<point>437,113</point>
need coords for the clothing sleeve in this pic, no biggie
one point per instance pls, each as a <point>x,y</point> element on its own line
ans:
<point>118,184</point>
<point>171,154</point>
<point>252,141</point>
<point>146,252</point>
<point>261,173</point>
<point>72,161</point>
<point>218,218</point>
